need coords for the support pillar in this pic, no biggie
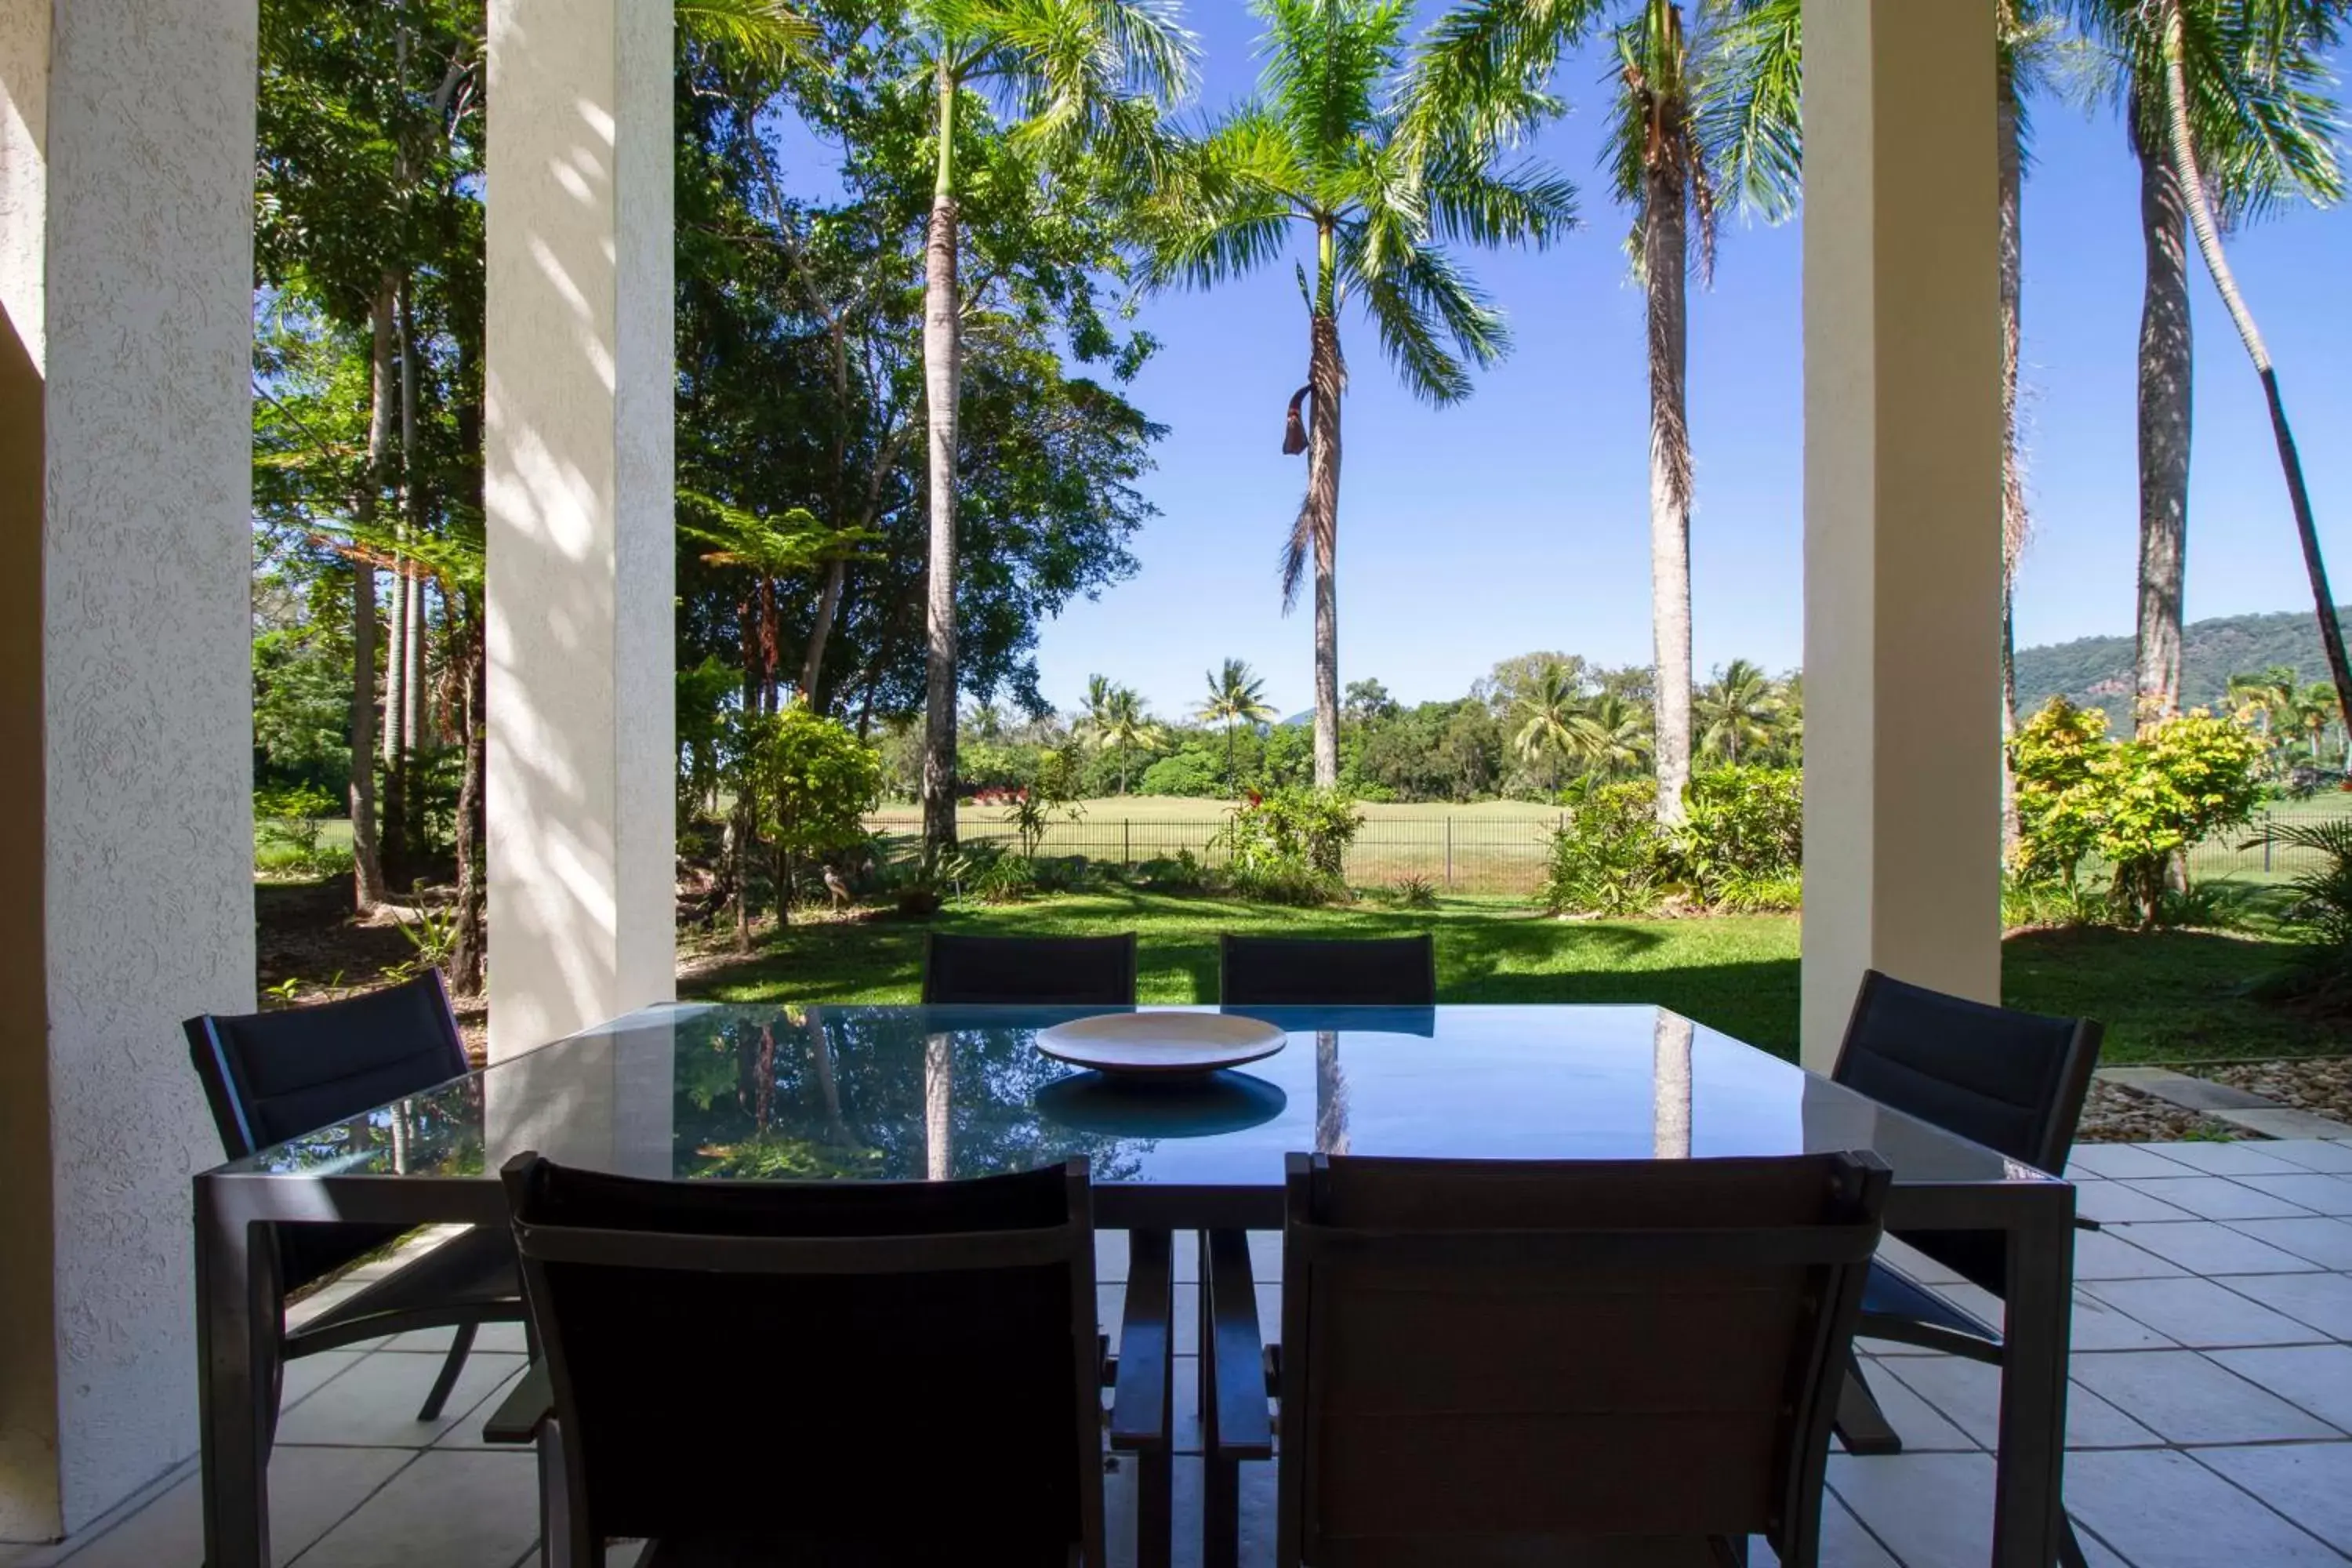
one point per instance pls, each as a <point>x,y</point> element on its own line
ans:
<point>126,826</point>
<point>581,705</point>
<point>1903,504</point>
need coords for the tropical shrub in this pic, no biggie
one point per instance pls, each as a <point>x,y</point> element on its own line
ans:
<point>1194,771</point>
<point>1413,891</point>
<point>2319,969</point>
<point>817,782</point>
<point>1606,857</point>
<point>294,819</point>
<point>1290,847</point>
<point>2135,804</point>
<point>1741,842</point>
<point>1184,873</point>
<point>1007,880</point>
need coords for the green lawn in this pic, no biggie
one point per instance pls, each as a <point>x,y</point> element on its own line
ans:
<point>2165,996</point>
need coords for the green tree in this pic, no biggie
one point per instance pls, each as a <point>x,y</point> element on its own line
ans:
<point>1236,696</point>
<point>1117,722</point>
<point>1072,77</point>
<point>1611,733</point>
<point>1379,192</point>
<point>1738,711</point>
<point>1546,716</point>
<point>817,781</point>
<point>2225,106</point>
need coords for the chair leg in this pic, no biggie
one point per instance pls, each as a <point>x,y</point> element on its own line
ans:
<point>1862,1426</point>
<point>2069,1550</point>
<point>460,1348</point>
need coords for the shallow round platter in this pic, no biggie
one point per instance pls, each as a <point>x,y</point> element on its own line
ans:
<point>1160,1044</point>
<point>1192,1106</point>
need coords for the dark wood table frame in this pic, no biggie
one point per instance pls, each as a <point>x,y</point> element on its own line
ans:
<point>238,1307</point>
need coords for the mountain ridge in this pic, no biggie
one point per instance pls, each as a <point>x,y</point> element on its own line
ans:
<point>2097,672</point>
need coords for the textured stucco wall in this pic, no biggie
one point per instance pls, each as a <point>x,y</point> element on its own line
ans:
<point>144,694</point>
<point>579,494</point>
<point>1902,505</point>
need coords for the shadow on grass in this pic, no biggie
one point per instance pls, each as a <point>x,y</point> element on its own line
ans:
<point>2164,996</point>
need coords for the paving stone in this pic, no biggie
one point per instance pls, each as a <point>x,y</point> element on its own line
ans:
<point>2121,1160</point>
<point>2207,1247</point>
<point>2160,1509</point>
<point>373,1405</point>
<point>306,1376</point>
<point>506,1337</point>
<point>449,1510</point>
<point>2105,1255</point>
<point>2199,1313</point>
<point>2184,1398</point>
<point>2100,1327</point>
<point>2310,1189</point>
<point>2180,1088</point>
<point>2326,1242</point>
<point>1932,1510</point>
<point>1923,1427</point>
<point>2226,1159</point>
<point>311,1490</point>
<point>2311,1483</point>
<point>2311,1153</point>
<point>2121,1202</point>
<point>2317,1377</point>
<point>2282,1122</point>
<point>2209,1197</point>
<point>1970,1393</point>
<point>2323,1300</point>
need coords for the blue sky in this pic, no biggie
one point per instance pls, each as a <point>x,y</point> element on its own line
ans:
<point>1518,520</point>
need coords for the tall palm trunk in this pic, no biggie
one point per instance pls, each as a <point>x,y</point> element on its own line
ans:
<point>2217,263</point>
<point>2165,365</point>
<point>2013,518</point>
<point>468,959</point>
<point>400,653</point>
<point>1328,372</point>
<point>1665,264</point>
<point>367,868</point>
<point>942,373</point>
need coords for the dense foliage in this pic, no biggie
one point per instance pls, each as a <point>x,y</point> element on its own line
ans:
<point>1739,846</point>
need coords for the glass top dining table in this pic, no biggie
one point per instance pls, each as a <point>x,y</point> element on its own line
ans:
<point>883,1093</point>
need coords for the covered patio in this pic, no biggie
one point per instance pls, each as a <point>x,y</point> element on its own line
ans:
<point>125,440</point>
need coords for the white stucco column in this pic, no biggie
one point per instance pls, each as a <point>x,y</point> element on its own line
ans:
<point>126,827</point>
<point>582,703</point>
<point>1902,504</point>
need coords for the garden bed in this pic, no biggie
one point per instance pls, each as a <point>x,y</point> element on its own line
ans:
<point>2114,1114</point>
<point>2321,1085</point>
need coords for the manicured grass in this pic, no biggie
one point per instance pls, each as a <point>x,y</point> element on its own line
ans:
<point>2164,996</point>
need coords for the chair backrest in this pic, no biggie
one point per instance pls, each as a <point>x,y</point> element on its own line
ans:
<point>274,1076</point>
<point>2012,1081</point>
<point>1488,1361</point>
<point>1041,971</point>
<point>269,1076</point>
<point>752,1362</point>
<point>1306,972</point>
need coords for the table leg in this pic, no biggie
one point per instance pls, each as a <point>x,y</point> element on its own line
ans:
<point>2028,1516</point>
<point>237,1353</point>
<point>1221,1480</point>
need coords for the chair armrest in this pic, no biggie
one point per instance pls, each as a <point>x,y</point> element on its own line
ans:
<point>1140,1419</point>
<point>523,1412</point>
<point>1243,1429</point>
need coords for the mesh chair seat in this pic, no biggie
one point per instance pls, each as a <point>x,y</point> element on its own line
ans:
<point>1310,972</point>
<point>1024,971</point>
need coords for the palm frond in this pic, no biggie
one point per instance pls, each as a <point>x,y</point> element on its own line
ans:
<point>769,33</point>
<point>1416,303</point>
<point>1748,98</point>
<point>1297,549</point>
<point>1527,203</point>
<point>1481,74</point>
<point>1225,203</point>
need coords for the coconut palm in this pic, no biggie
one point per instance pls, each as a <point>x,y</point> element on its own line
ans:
<point>1326,148</point>
<point>2223,104</point>
<point>1236,696</point>
<point>1738,710</point>
<point>1068,73</point>
<point>1547,714</point>
<point>1612,733</point>
<point>2260,697</point>
<point>1116,719</point>
<point>2311,712</point>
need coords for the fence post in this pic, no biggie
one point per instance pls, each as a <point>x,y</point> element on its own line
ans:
<point>1126,842</point>
<point>1449,853</point>
<point>2269,821</point>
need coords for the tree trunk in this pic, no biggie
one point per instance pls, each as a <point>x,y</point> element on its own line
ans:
<point>1329,375</point>
<point>2165,364</point>
<point>2014,521</point>
<point>468,957</point>
<point>367,868</point>
<point>942,377</point>
<point>2217,263</point>
<point>828,604</point>
<point>392,848</point>
<point>1665,266</point>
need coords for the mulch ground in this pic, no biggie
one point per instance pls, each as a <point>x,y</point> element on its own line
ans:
<point>2321,1085</point>
<point>308,931</point>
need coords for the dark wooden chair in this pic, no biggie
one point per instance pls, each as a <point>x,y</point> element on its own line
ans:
<point>1036,970</point>
<point>271,1077</point>
<point>744,1371</point>
<point>2012,1081</point>
<point>1306,972</point>
<point>1503,1363</point>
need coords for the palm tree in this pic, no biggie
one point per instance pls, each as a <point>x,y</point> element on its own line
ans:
<point>1074,74</point>
<point>2260,697</point>
<point>2311,712</point>
<point>1118,721</point>
<point>1738,710</point>
<point>1380,192</point>
<point>1236,696</point>
<point>2223,104</point>
<point>1548,714</point>
<point>1610,733</point>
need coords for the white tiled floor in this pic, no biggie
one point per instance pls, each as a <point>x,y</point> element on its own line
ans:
<point>2210,1422</point>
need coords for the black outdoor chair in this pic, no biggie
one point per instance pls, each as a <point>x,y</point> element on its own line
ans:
<point>1035,970</point>
<point>1503,1363</point>
<point>738,1371</point>
<point>271,1077</point>
<point>1305,971</point>
<point>2012,1081</point>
